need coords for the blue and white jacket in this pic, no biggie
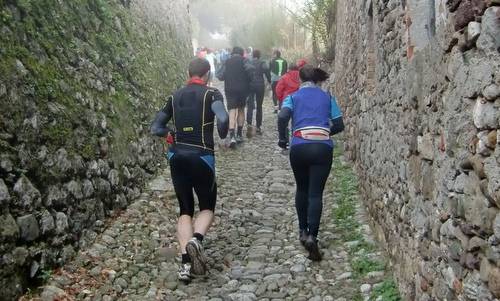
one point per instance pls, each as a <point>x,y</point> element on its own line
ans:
<point>312,110</point>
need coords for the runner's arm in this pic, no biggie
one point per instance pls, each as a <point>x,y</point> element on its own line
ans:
<point>220,112</point>
<point>336,120</point>
<point>280,89</point>
<point>249,68</point>
<point>283,119</point>
<point>159,126</point>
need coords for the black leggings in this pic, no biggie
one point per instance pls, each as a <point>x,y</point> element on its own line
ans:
<point>256,97</point>
<point>311,164</point>
<point>190,171</point>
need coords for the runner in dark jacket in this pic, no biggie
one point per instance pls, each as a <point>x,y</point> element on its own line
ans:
<point>257,88</point>
<point>237,74</point>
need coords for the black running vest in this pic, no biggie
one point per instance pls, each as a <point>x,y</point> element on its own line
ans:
<point>193,117</point>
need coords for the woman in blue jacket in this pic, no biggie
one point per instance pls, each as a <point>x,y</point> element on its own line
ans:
<point>315,118</point>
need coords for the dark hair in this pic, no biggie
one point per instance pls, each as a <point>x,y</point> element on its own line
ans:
<point>293,66</point>
<point>256,54</point>
<point>238,50</point>
<point>277,53</point>
<point>309,73</point>
<point>198,67</point>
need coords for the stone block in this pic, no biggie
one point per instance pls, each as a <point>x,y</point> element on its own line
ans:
<point>485,115</point>
<point>9,231</point>
<point>483,144</point>
<point>425,146</point>
<point>491,92</point>
<point>473,31</point>
<point>492,170</point>
<point>29,227</point>
<point>484,269</point>
<point>46,222</point>
<point>494,281</point>
<point>478,214</point>
<point>27,195</point>
<point>87,188</point>
<point>467,11</point>
<point>75,189</point>
<point>56,197</point>
<point>61,223</point>
<point>489,40</point>
<point>4,194</point>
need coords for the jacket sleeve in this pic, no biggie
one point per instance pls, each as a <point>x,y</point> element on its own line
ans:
<point>267,73</point>
<point>159,126</point>
<point>272,66</point>
<point>336,121</point>
<point>220,112</point>
<point>284,117</point>
<point>249,69</point>
<point>220,72</point>
<point>280,88</point>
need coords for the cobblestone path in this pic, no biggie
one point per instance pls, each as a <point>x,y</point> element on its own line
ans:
<point>253,248</point>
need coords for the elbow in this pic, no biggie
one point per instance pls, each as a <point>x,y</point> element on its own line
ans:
<point>153,130</point>
<point>224,119</point>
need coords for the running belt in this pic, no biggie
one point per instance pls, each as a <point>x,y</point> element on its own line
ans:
<point>312,133</point>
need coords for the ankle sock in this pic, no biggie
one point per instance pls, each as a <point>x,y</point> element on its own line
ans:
<point>185,258</point>
<point>240,130</point>
<point>198,236</point>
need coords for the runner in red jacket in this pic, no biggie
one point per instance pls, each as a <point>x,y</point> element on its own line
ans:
<point>289,82</point>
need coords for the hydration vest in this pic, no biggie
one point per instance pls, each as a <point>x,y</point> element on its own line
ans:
<point>193,117</point>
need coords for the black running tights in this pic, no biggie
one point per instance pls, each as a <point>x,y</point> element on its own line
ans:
<point>311,164</point>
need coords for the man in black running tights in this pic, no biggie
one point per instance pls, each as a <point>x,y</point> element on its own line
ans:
<point>192,110</point>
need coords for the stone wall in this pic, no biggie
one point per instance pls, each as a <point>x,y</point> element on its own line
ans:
<point>79,83</point>
<point>419,82</point>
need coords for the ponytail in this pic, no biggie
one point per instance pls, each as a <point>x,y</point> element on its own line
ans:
<point>308,73</point>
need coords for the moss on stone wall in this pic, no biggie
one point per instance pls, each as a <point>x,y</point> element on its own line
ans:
<point>80,81</point>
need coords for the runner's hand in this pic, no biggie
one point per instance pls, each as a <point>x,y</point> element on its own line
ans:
<point>170,138</point>
<point>283,144</point>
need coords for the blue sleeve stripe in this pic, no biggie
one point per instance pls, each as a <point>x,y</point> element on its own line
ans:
<point>288,103</point>
<point>335,110</point>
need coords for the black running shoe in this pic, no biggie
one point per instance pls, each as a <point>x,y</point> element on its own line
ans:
<point>303,237</point>
<point>197,255</point>
<point>311,245</point>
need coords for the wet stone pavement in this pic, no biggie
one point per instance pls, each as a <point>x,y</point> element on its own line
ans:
<point>253,247</point>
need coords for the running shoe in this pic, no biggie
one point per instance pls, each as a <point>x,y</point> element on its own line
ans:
<point>311,245</point>
<point>232,143</point>
<point>303,237</point>
<point>250,131</point>
<point>197,255</point>
<point>259,131</point>
<point>184,272</point>
<point>239,139</point>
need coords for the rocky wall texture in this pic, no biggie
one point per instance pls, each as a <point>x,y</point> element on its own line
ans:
<point>79,83</point>
<point>419,82</point>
